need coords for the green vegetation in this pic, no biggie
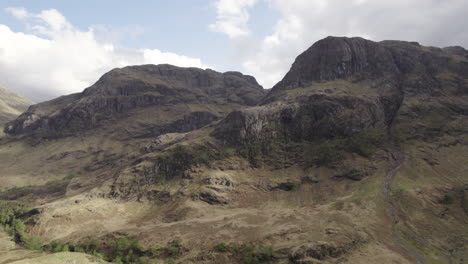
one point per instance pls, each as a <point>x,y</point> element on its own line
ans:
<point>257,254</point>
<point>69,176</point>
<point>436,123</point>
<point>221,247</point>
<point>365,143</point>
<point>330,152</point>
<point>247,253</point>
<point>118,250</point>
<point>10,214</point>
<point>177,160</point>
<point>327,153</point>
<point>448,199</point>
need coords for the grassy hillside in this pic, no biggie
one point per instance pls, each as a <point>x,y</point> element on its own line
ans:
<point>364,164</point>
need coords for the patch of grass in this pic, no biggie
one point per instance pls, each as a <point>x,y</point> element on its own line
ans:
<point>365,142</point>
<point>247,253</point>
<point>326,153</point>
<point>329,153</point>
<point>177,160</point>
<point>69,176</point>
<point>449,198</point>
<point>221,247</point>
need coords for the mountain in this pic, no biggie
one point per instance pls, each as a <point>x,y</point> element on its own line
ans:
<point>11,105</point>
<point>343,85</point>
<point>149,100</point>
<point>357,156</point>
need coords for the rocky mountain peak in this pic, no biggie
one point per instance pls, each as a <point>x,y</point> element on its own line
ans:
<point>147,95</point>
<point>405,64</point>
<point>124,80</point>
<point>339,58</point>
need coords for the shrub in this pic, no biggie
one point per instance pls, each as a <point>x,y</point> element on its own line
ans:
<point>364,143</point>
<point>92,245</point>
<point>221,247</point>
<point>257,254</point>
<point>170,261</point>
<point>121,246</point>
<point>327,153</point>
<point>448,199</point>
<point>34,243</point>
<point>173,251</point>
<point>65,248</point>
<point>179,159</point>
<point>69,176</point>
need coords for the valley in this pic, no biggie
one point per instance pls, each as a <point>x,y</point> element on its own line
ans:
<point>359,155</point>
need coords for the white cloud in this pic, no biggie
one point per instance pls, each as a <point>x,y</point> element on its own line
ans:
<point>55,58</point>
<point>232,17</point>
<point>157,57</point>
<point>303,22</point>
<point>17,12</point>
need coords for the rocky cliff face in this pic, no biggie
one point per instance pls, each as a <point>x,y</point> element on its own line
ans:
<point>343,85</point>
<point>406,65</point>
<point>150,98</point>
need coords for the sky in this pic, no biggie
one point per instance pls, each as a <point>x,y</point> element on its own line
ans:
<point>50,48</point>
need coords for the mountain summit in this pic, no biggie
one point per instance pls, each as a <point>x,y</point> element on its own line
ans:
<point>149,99</point>
<point>357,156</point>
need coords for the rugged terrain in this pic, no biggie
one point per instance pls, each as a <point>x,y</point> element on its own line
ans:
<point>359,155</point>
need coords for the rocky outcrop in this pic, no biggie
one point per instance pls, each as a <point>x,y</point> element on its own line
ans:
<point>210,197</point>
<point>406,66</point>
<point>340,86</point>
<point>314,252</point>
<point>158,99</point>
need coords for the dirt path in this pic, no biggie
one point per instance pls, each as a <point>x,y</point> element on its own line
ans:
<point>397,162</point>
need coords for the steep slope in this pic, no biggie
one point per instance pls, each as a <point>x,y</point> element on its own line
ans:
<point>11,105</point>
<point>348,96</point>
<point>90,133</point>
<point>341,85</point>
<point>148,100</point>
<point>357,156</point>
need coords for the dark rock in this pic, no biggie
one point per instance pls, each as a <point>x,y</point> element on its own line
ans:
<point>31,212</point>
<point>222,181</point>
<point>190,122</point>
<point>309,179</point>
<point>159,196</point>
<point>352,174</point>
<point>286,186</point>
<point>339,58</point>
<point>322,251</point>
<point>210,198</point>
<point>161,91</point>
<point>456,50</point>
<point>370,85</point>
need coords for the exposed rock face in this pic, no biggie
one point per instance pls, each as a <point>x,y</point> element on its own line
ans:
<point>343,85</point>
<point>158,99</point>
<point>406,65</point>
<point>11,105</point>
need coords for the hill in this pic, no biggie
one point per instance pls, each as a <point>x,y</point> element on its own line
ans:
<point>357,156</point>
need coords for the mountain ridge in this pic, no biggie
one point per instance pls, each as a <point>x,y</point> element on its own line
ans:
<point>357,156</point>
<point>135,88</point>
